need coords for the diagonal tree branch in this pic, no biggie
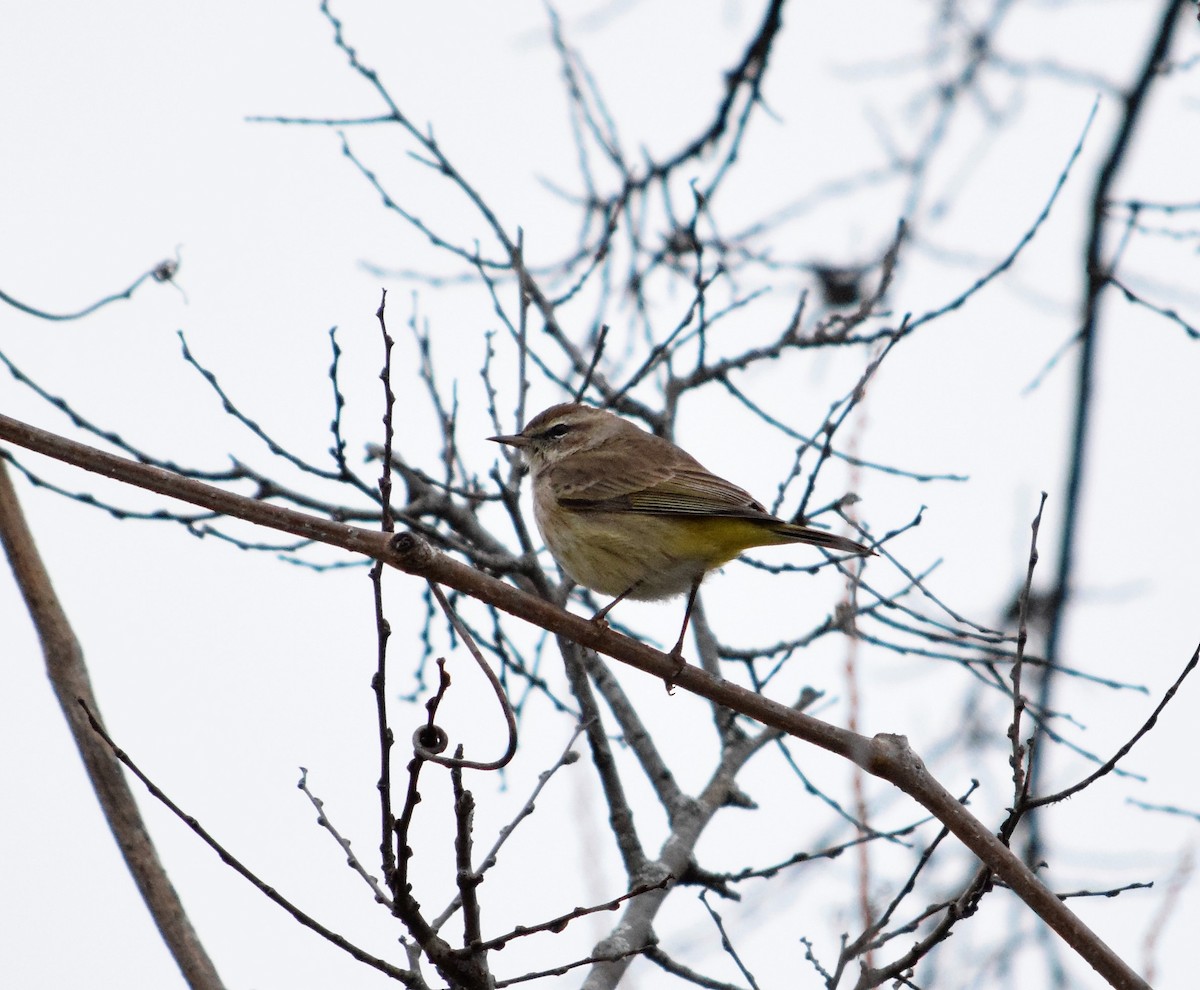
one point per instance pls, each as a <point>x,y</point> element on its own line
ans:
<point>1096,276</point>
<point>886,756</point>
<point>69,677</point>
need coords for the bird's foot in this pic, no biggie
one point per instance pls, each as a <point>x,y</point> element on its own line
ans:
<point>670,680</point>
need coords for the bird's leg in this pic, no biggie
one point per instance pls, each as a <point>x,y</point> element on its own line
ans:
<point>677,650</point>
<point>599,617</point>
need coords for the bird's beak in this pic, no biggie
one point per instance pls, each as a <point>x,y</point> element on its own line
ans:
<point>515,440</point>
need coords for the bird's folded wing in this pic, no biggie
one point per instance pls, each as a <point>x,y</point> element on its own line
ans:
<point>683,491</point>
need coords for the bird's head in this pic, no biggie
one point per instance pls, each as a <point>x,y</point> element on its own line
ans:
<point>563,430</point>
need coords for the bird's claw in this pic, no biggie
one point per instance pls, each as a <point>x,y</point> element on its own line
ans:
<point>670,681</point>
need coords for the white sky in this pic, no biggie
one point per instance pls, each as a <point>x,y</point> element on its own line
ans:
<point>222,672</point>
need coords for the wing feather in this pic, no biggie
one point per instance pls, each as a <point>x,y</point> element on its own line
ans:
<point>674,484</point>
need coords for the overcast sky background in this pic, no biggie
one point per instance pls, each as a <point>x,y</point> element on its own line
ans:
<point>126,137</point>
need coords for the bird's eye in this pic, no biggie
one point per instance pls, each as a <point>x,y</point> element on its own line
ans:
<point>558,431</point>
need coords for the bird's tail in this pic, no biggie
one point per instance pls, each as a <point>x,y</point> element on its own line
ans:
<point>821,538</point>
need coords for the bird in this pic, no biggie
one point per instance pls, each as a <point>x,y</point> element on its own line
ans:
<point>629,514</point>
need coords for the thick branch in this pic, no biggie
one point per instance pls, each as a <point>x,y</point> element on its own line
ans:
<point>69,677</point>
<point>1096,276</point>
<point>886,756</point>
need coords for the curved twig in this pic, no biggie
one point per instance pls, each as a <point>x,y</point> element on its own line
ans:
<point>509,716</point>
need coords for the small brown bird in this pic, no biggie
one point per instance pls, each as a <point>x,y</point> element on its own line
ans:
<point>629,514</point>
